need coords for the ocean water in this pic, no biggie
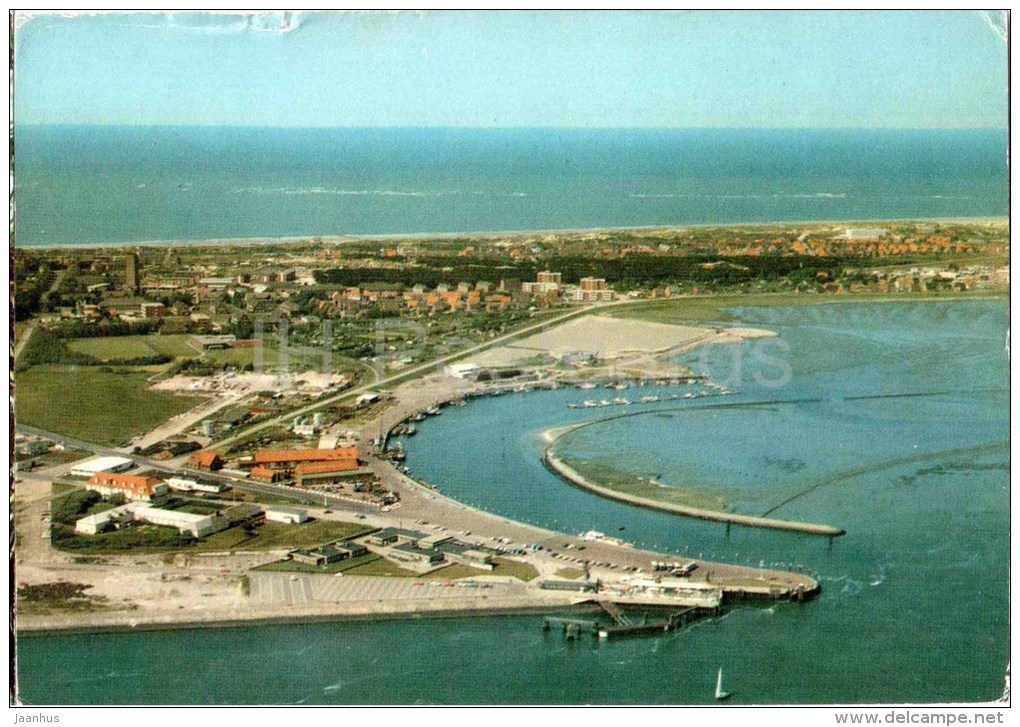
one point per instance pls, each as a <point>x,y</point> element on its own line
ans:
<point>86,185</point>
<point>914,606</point>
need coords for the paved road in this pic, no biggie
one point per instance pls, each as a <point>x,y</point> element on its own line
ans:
<point>422,368</point>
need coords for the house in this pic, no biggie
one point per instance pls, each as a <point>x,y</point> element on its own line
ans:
<point>207,460</point>
<point>133,487</point>
<point>267,474</point>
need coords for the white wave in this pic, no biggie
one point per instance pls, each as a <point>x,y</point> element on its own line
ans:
<point>772,196</point>
<point>339,192</point>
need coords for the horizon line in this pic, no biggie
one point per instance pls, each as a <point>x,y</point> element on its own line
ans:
<point>452,127</point>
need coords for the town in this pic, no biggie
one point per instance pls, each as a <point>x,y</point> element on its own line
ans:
<point>241,412</point>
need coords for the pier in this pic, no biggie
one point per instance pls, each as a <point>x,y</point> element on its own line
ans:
<point>615,622</point>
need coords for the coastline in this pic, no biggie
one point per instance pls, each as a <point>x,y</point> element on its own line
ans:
<point>341,238</point>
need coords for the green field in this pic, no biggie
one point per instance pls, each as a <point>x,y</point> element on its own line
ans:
<point>113,348</point>
<point>175,345</point>
<point>104,407</point>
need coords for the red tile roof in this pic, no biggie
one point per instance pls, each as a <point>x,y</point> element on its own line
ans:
<point>340,465</point>
<point>283,456</point>
<point>136,484</point>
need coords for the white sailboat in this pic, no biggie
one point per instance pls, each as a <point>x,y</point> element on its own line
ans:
<point>720,695</point>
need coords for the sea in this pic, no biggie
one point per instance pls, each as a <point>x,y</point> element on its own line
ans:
<point>889,420</point>
<point>78,185</point>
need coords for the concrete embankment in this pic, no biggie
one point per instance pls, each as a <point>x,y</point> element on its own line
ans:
<point>568,474</point>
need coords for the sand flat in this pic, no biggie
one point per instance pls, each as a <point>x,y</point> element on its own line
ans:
<point>610,337</point>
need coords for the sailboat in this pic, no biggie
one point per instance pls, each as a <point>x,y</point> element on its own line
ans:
<point>720,695</point>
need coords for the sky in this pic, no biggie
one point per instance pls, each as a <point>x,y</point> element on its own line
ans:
<point>862,69</point>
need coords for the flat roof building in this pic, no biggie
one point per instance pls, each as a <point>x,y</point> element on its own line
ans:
<point>290,515</point>
<point>101,464</point>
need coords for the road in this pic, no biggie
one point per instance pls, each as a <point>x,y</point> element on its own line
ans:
<point>420,369</point>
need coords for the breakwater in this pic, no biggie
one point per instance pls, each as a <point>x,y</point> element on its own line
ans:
<point>568,474</point>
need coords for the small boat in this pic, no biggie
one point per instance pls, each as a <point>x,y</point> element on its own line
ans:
<point>620,401</point>
<point>720,695</point>
<point>649,399</point>
<point>605,402</point>
<point>411,430</point>
<point>586,385</point>
<point>688,395</point>
<point>433,411</point>
<point>589,404</point>
<point>419,417</point>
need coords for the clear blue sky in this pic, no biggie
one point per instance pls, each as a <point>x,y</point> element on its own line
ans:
<point>583,69</point>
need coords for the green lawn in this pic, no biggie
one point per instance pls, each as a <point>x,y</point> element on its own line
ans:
<point>175,345</point>
<point>279,535</point>
<point>569,573</point>
<point>113,348</point>
<point>104,407</point>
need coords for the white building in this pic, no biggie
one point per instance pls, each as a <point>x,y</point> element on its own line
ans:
<point>289,515</point>
<point>186,522</point>
<point>183,485</point>
<point>93,524</point>
<point>90,467</point>
<point>463,370</point>
<point>196,525</point>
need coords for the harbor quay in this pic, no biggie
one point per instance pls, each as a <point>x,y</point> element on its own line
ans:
<point>569,571</point>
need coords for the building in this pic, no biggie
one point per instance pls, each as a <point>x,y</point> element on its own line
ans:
<point>210,343</point>
<point>198,526</point>
<point>244,512</point>
<point>546,282</point>
<point>168,282</point>
<point>308,473</point>
<point>367,398</point>
<point>215,283</point>
<point>133,487</point>
<point>326,554</point>
<point>101,464</point>
<point>390,536</point>
<point>131,272</point>
<point>153,310</point>
<point>417,556</point>
<point>183,485</point>
<point>207,459</point>
<point>291,457</point>
<point>430,542</point>
<point>103,521</point>
<point>288,515</point>
<point>468,371</point>
<point>267,474</point>
<point>593,290</point>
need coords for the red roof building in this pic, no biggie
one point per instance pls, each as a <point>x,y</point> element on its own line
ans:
<point>295,456</point>
<point>207,459</point>
<point>133,487</point>
<point>267,474</point>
